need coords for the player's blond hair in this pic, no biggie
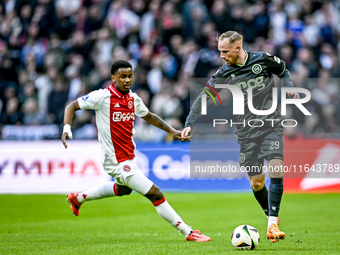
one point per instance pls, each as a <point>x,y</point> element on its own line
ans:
<point>232,36</point>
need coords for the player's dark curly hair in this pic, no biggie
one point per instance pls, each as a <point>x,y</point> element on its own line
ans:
<point>119,64</point>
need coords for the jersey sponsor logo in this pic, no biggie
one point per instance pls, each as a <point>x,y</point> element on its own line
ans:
<point>130,104</point>
<point>257,68</point>
<point>241,157</point>
<point>127,168</point>
<point>84,98</point>
<point>251,83</point>
<point>118,116</point>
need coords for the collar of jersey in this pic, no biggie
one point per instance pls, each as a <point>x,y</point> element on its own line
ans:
<point>245,61</point>
<point>116,91</point>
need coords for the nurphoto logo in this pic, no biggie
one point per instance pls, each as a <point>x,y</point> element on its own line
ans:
<point>238,102</point>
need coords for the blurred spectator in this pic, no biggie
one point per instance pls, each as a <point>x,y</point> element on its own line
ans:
<point>305,58</point>
<point>32,116</point>
<point>12,115</point>
<point>261,19</point>
<point>148,21</point>
<point>78,44</point>
<point>278,21</point>
<point>44,84</point>
<point>7,68</point>
<point>122,20</point>
<point>56,101</point>
<point>94,21</point>
<point>11,25</point>
<point>104,45</point>
<point>68,7</point>
<point>73,78</point>
<point>154,77</point>
<point>322,94</point>
<point>63,24</point>
<point>29,91</point>
<point>35,46</point>
<point>286,54</point>
<point>295,28</point>
<point>171,22</point>
<point>55,53</point>
<point>311,31</point>
<point>192,8</point>
<point>326,56</point>
<point>221,16</point>
<point>165,104</point>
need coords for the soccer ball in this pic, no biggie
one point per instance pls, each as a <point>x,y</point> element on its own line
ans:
<point>245,237</point>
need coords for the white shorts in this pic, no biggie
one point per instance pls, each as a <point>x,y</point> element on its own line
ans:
<point>128,174</point>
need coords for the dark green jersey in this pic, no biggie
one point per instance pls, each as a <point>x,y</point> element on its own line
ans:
<point>256,73</point>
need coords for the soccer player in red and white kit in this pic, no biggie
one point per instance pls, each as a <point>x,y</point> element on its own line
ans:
<point>116,107</point>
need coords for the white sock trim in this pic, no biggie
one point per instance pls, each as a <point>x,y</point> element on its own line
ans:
<point>272,220</point>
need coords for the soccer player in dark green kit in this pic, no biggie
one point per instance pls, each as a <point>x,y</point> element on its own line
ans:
<point>254,69</point>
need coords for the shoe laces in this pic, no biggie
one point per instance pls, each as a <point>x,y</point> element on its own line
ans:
<point>196,234</point>
<point>275,228</point>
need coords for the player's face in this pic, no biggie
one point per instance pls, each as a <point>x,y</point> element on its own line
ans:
<point>229,51</point>
<point>122,79</point>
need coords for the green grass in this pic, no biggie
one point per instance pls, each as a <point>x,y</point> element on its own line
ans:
<point>43,224</point>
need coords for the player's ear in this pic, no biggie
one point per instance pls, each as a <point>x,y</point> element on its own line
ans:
<point>113,78</point>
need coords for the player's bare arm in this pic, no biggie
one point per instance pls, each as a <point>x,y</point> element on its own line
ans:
<point>155,120</point>
<point>68,116</point>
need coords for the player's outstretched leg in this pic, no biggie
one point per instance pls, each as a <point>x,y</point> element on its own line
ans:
<point>260,191</point>
<point>144,186</point>
<point>109,189</point>
<point>275,195</point>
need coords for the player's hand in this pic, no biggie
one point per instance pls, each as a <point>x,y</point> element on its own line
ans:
<point>294,95</point>
<point>66,133</point>
<point>185,135</point>
<point>176,134</point>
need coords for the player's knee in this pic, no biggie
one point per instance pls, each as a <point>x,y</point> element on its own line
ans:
<point>154,194</point>
<point>123,190</point>
<point>257,183</point>
<point>276,168</point>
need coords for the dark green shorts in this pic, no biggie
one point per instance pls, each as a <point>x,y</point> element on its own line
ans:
<point>254,150</point>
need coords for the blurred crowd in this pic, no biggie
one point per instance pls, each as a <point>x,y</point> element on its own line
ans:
<point>52,52</point>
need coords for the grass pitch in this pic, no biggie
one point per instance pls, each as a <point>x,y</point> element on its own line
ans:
<point>43,224</point>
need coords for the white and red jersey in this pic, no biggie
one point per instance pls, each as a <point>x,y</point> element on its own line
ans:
<point>115,116</point>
